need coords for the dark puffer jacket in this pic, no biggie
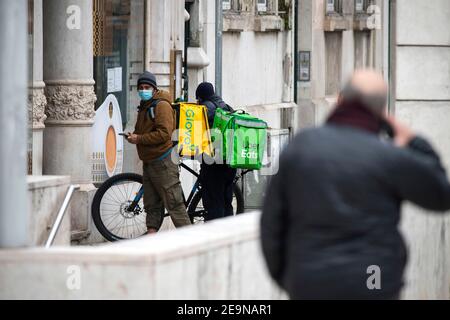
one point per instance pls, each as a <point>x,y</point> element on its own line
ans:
<point>333,210</point>
<point>212,104</point>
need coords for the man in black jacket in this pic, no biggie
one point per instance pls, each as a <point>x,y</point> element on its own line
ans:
<point>217,179</point>
<point>331,214</point>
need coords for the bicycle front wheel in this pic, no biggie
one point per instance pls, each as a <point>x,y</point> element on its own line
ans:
<point>110,208</point>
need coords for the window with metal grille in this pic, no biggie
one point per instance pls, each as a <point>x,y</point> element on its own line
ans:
<point>361,6</point>
<point>226,5</point>
<point>262,5</point>
<point>333,7</point>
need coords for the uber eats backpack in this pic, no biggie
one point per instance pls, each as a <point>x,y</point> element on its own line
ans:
<point>244,139</point>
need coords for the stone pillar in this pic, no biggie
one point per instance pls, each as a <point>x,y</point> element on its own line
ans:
<point>13,123</point>
<point>36,98</point>
<point>68,75</point>
<point>197,61</point>
<point>208,34</point>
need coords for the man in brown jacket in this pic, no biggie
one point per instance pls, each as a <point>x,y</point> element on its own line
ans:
<point>153,138</point>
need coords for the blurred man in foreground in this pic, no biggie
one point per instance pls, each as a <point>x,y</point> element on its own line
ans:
<point>331,214</point>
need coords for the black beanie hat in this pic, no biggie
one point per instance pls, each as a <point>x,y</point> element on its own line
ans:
<point>204,91</point>
<point>147,78</point>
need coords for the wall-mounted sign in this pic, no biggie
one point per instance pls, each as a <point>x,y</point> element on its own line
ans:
<point>107,145</point>
<point>304,66</point>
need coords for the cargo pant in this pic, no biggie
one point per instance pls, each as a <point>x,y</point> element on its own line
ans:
<point>162,189</point>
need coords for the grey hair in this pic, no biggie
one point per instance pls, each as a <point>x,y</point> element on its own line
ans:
<point>376,103</point>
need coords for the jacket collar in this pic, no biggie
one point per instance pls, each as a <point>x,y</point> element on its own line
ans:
<point>353,114</point>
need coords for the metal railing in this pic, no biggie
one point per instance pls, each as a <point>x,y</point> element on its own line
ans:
<point>60,216</point>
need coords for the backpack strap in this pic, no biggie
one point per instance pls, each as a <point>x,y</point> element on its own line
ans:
<point>215,104</point>
<point>230,109</point>
<point>227,107</point>
<point>151,109</point>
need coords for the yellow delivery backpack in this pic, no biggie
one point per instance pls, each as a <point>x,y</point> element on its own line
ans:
<point>194,138</point>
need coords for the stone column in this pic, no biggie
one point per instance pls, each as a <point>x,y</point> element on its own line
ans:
<point>36,98</point>
<point>208,34</point>
<point>13,123</point>
<point>68,75</point>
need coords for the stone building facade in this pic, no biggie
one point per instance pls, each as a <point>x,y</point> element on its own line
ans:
<point>74,44</point>
<point>77,42</point>
<point>269,63</point>
<point>336,37</point>
<point>283,61</point>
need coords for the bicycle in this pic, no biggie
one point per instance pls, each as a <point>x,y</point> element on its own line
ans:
<point>118,208</point>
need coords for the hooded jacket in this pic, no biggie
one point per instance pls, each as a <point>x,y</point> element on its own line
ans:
<point>155,135</point>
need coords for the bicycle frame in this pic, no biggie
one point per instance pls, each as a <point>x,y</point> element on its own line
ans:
<point>196,186</point>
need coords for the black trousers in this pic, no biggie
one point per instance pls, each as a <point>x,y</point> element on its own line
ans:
<point>217,182</point>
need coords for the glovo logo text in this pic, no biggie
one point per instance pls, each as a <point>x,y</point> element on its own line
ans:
<point>189,129</point>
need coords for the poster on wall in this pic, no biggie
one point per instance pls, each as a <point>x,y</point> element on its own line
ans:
<point>107,145</point>
<point>114,77</point>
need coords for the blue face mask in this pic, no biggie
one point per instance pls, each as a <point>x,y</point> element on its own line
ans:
<point>146,95</point>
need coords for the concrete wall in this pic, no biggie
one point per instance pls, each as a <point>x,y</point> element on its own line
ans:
<point>46,196</point>
<point>254,76</point>
<point>220,260</point>
<point>253,68</point>
<point>421,72</point>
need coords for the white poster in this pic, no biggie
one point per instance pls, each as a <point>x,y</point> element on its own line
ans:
<point>110,80</point>
<point>118,79</point>
<point>114,80</point>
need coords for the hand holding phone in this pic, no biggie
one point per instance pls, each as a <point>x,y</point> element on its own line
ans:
<point>126,135</point>
<point>401,134</point>
<point>387,129</point>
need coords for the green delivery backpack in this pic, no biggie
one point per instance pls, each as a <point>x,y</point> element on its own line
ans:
<point>244,139</point>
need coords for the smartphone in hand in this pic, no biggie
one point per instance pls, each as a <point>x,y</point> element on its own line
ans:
<point>124,135</point>
<point>387,129</point>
